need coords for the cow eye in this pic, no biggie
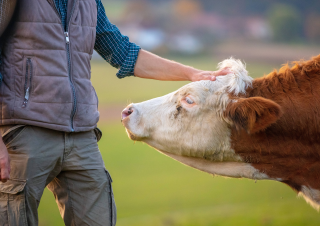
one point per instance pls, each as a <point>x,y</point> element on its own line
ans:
<point>189,100</point>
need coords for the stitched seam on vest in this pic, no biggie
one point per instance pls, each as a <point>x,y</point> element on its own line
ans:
<point>39,122</point>
<point>74,25</point>
<point>52,102</point>
<point>39,49</point>
<point>81,52</point>
<point>87,104</point>
<point>55,76</point>
<point>58,127</point>
<point>30,120</point>
<point>33,22</point>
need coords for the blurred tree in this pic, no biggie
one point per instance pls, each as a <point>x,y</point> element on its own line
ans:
<point>140,12</point>
<point>183,12</point>
<point>312,27</point>
<point>286,23</point>
<point>186,8</point>
<point>245,7</point>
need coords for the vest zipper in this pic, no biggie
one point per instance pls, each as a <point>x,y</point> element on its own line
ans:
<point>27,88</point>
<point>67,39</point>
<point>74,109</point>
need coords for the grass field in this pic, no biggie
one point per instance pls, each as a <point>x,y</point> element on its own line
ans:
<point>154,190</point>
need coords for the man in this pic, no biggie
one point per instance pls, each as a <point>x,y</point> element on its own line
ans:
<point>49,108</point>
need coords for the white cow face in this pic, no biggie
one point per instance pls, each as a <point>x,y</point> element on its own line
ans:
<point>190,121</point>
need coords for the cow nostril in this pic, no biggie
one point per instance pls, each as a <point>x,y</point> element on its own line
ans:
<point>126,112</point>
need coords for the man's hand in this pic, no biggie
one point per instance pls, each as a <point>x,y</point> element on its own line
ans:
<point>151,66</point>
<point>209,75</point>
<point>4,162</point>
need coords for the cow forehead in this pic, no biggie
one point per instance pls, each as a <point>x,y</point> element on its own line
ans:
<point>201,87</point>
<point>206,87</point>
<point>195,88</point>
<point>236,82</point>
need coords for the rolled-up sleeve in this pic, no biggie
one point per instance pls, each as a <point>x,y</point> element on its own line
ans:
<point>114,47</point>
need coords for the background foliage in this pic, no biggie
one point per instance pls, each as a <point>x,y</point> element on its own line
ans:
<point>292,20</point>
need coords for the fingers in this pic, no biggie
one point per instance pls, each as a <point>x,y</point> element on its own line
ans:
<point>208,76</point>
<point>211,75</point>
<point>5,170</point>
<point>224,71</point>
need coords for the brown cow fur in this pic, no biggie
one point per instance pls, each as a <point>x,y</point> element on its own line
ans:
<point>284,144</point>
<point>253,114</point>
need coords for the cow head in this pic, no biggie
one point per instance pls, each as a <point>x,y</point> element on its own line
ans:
<point>196,120</point>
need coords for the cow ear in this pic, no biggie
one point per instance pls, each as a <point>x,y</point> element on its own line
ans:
<point>252,114</point>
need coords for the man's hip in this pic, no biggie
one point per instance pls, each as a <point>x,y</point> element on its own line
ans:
<point>72,167</point>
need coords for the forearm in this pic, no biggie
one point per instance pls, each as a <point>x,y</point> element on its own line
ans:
<point>151,66</point>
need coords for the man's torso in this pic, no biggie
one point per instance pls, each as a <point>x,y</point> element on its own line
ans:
<point>46,66</point>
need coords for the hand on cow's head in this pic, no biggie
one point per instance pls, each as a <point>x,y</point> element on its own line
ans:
<point>190,121</point>
<point>209,75</point>
<point>252,114</point>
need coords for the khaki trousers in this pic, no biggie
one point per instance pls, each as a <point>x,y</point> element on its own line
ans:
<point>69,164</point>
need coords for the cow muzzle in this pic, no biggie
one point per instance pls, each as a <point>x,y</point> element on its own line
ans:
<point>127,112</point>
<point>131,118</point>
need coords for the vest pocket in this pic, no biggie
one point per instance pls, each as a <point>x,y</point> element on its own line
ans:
<point>28,81</point>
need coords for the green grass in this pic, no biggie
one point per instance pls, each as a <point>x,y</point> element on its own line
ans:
<point>154,190</point>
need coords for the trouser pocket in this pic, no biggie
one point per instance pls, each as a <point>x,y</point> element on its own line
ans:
<point>12,203</point>
<point>113,208</point>
<point>13,134</point>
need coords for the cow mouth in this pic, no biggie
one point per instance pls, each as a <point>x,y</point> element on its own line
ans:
<point>132,136</point>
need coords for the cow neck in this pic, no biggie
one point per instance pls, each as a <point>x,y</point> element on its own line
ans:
<point>288,150</point>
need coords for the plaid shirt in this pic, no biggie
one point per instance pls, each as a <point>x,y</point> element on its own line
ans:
<point>112,46</point>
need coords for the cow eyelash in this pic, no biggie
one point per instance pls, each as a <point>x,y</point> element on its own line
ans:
<point>189,100</point>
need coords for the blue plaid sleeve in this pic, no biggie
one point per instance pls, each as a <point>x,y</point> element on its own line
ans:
<point>114,47</point>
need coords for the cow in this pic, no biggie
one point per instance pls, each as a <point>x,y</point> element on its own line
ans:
<point>262,129</point>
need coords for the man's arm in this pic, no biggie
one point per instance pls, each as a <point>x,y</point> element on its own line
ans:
<point>116,49</point>
<point>151,66</point>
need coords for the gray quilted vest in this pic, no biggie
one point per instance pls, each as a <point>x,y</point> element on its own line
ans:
<point>46,68</point>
